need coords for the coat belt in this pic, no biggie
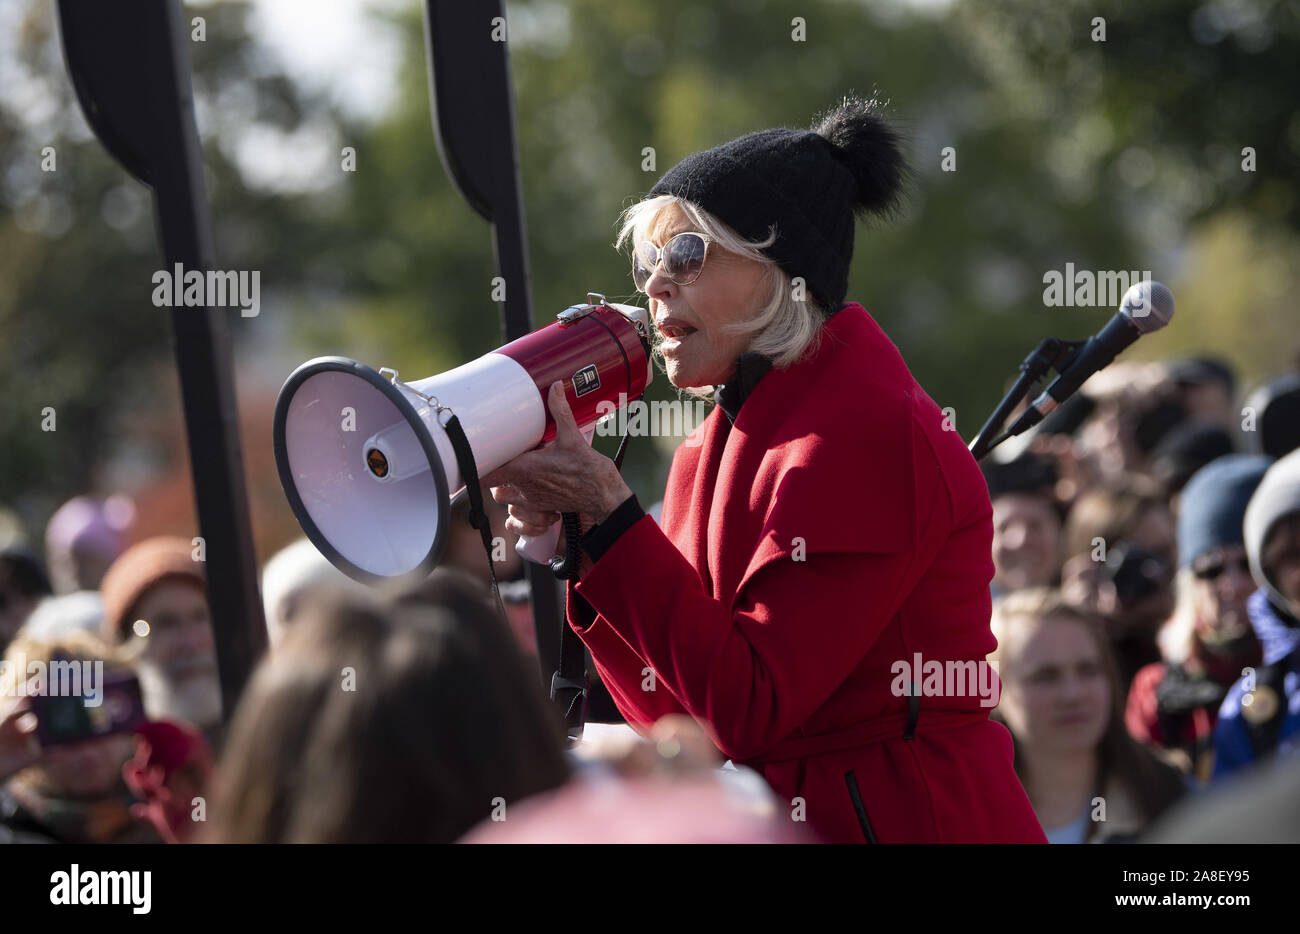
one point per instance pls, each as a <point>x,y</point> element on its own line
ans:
<point>875,730</point>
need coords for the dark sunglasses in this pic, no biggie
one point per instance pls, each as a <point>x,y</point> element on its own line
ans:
<point>1214,570</point>
<point>682,257</point>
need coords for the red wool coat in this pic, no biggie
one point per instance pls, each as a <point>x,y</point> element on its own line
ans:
<point>835,531</point>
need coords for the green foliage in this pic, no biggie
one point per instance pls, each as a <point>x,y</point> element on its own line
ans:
<point>1067,150</point>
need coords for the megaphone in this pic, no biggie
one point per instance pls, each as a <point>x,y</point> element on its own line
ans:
<point>365,459</point>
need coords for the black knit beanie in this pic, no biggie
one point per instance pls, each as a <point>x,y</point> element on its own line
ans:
<point>809,183</point>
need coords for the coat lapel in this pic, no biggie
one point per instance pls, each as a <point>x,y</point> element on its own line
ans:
<point>688,499</point>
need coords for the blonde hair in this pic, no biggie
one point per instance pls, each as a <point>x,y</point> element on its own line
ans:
<point>1178,635</point>
<point>1039,604</point>
<point>77,643</point>
<point>783,329</point>
<point>1153,782</point>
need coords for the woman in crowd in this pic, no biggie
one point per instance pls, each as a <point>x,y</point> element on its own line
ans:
<point>1088,780</point>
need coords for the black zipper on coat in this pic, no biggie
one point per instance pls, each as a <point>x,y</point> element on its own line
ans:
<point>856,796</point>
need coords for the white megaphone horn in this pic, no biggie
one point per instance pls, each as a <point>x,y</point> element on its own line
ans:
<point>365,459</point>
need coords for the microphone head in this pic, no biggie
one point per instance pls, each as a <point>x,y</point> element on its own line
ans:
<point>1148,306</point>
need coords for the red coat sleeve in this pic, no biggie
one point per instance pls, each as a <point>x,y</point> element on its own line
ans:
<point>750,678</point>
<point>641,699</point>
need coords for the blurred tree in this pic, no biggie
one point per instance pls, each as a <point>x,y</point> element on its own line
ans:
<point>1196,102</point>
<point>1033,146</point>
<point>79,333</point>
<point>1188,114</point>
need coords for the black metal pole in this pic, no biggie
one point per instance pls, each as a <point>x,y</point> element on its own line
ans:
<point>473,115</point>
<point>1051,352</point>
<point>129,63</point>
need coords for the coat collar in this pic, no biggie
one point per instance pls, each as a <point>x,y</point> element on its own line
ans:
<point>751,366</point>
<point>788,437</point>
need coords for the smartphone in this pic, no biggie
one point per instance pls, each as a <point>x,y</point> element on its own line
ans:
<point>66,719</point>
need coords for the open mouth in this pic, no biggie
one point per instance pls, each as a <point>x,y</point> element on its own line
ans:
<point>674,332</point>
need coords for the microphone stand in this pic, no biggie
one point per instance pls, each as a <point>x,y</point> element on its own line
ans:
<point>1052,353</point>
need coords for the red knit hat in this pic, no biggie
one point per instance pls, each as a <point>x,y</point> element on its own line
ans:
<point>139,569</point>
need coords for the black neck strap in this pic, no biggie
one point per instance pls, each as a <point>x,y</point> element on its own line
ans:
<point>478,516</point>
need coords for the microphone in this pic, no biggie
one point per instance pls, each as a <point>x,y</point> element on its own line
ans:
<point>1146,307</point>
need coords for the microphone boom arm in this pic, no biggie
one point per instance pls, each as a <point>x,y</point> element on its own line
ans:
<point>1051,354</point>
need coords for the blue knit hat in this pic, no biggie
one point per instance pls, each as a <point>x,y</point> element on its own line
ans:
<point>1213,504</point>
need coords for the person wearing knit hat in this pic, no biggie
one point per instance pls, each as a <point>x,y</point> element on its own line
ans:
<point>1184,450</point>
<point>290,576</point>
<point>1208,640</point>
<point>23,584</point>
<point>822,518</point>
<point>1275,412</point>
<point>54,616</point>
<point>1207,389</point>
<point>1260,716</point>
<point>83,537</point>
<point>155,602</point>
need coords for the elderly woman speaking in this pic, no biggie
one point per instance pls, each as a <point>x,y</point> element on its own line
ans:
<point>826,537</point>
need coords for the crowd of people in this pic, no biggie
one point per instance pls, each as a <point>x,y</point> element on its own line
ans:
<point>1146,605</point>
<point>1147,590</point>
<point>412,714</point>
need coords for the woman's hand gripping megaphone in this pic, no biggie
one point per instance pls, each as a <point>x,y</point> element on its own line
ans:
<point>564,475</point>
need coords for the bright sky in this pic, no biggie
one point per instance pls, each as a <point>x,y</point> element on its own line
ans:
<point>334,44</point>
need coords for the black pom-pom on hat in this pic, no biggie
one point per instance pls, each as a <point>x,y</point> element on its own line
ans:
<point>807,184</point>
<point>872,151</point>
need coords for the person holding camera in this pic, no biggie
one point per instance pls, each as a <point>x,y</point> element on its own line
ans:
<point>1120,539</point>
<point>1208,641</point>
<point>823,524</point>
<point>61,760</point>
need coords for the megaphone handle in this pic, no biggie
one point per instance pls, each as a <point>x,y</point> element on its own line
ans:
<point>542,549</point>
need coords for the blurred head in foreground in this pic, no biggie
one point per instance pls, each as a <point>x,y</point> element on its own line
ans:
<point>288,579</point>
<point>400,720</point>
